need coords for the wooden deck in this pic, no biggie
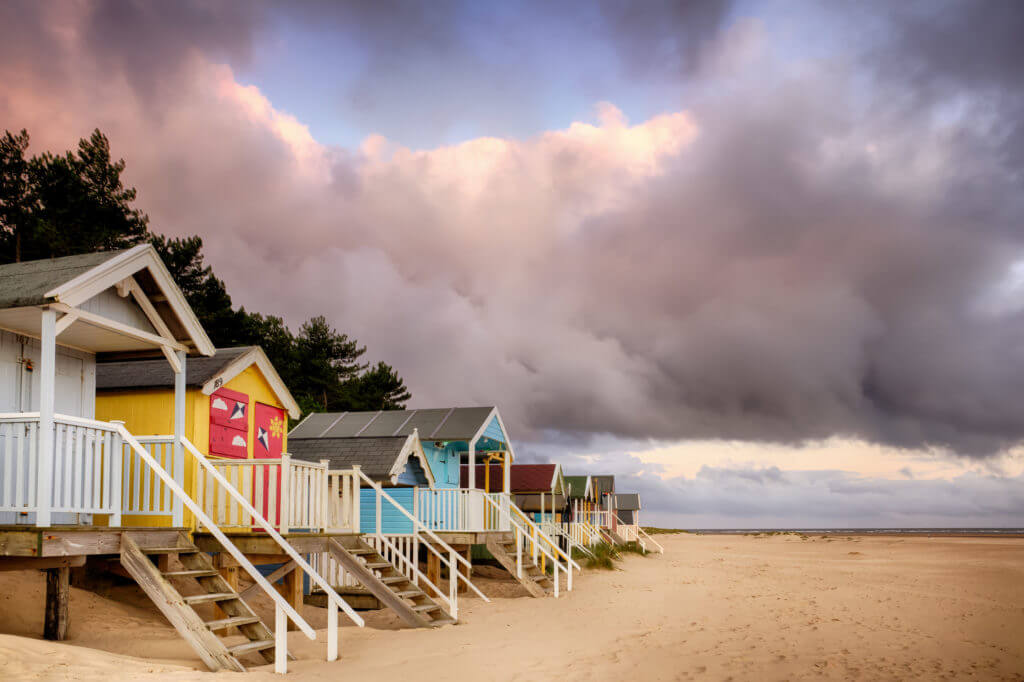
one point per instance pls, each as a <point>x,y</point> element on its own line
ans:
<point>260,544</point>
<point>463,538</point>
<point>74,541</point>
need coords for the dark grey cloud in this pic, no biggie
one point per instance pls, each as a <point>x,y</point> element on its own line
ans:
<point>824,257</point>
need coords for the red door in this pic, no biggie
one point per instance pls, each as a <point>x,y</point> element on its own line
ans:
<point>229,424</point>
<point>268,443</point>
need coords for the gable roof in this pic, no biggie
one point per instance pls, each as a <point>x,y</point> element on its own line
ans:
<point>579,486</point>
<point>602,485</point>
<point>206,373</point>
<point>523,478</point>
<point>68,282</point>
<point>27,283</point>
<point>627,501</point>
<point>448,423</point>
<point>382,459</point>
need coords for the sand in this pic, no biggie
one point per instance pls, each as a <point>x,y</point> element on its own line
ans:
<point>711,607</point>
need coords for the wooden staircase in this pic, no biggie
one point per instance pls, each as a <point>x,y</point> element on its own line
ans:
<point>178,609</point>
<point>537,582</point>
<point>611,537</point>
<point>386,582</point>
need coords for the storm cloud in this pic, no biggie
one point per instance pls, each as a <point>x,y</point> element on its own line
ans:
<point>809,246</point>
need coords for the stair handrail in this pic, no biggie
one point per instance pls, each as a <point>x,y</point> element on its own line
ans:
<point>558,530</point>
<point>453,605</point>
<point>513,507</point>
<point>264,524</point>
<point>523,533</point>
<point>661,550</point>
<point>418,525</point>
<point>187,500</point>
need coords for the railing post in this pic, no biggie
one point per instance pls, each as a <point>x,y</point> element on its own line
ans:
<point>555,562</point>
<point>45,456</point>
<point>356,498</point>
<point>332,629</point>
<point>518,535</point>
<point>453,583</point>
<point>281,640</point>
<point>285,497</point>
<point>116,457</point>
<point>322,490</point>
<point>177,510</point>
<point>378,512</point>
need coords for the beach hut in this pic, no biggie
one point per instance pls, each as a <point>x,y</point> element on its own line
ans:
<point>452,513</point>
<point>74,486</point>
<point>627,506</point>
<point>538,489</point>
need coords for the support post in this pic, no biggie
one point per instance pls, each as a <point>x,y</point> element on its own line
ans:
<point>177,509</point>
<point>47,378</point>
<point>506,473</point>
<point>453,583</point>
<point>434,571</point>
<point>280,640</point>
<point>291,590</point>
<point>57,596</point>
<point>332,629</point>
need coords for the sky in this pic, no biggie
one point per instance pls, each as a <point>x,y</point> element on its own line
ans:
<point>764,261</point>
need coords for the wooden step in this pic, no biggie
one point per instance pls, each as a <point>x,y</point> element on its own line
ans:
<point>234,620</point>
<point>213,596</point>
<point>405,594</point>
<point>196,573</point>
<point>169,550</point>
<point>442,621</point>
<point>391,580</point>
<point>379,564</point>
<point>257,645</point>
<point>362,550</point>
<point>426,607</point>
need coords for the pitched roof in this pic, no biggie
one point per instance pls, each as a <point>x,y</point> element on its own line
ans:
<point>602,485</point>
<point>158,374</point>
<point>627,501</point>
<point>523,478</point>
<point>200,372</point>
<point>449,423</point>
<point>577,485</point>
<point>381,459</point>
<point>26,283</point>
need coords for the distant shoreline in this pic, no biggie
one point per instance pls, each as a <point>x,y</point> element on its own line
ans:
<point>873,532</point>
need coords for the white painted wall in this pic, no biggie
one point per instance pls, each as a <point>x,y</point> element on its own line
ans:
<point>124,310</point>
<point>19,388</point>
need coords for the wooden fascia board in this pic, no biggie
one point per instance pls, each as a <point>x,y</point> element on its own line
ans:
<point>118,327</point>
<point>411,447</point>
<point>256,356</point>
<point>105,275</point>
<point>483,427</point>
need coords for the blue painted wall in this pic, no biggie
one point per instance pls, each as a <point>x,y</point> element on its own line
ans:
<point>392,520</point>
<point>444,463</point>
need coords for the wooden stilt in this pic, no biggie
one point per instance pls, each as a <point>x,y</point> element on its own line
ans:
<point>58,593</point>
<point>291,589</point>
<point>433,572</point>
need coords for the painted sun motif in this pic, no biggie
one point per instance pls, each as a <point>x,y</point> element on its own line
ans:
<point>277,427</point>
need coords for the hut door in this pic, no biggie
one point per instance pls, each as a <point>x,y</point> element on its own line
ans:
<point>229,424</point>
<point>268,443</point>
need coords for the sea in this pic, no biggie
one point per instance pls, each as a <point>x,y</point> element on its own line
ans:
<point>863,531</point>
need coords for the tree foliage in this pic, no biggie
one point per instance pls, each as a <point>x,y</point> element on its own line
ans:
<point>58,205</point>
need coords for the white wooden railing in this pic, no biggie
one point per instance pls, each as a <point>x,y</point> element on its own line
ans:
<point>86,474</point>
<point>529,539</point>
<point>634,532</point>
<point>343,500</point>
<point>458,510</point>
<point>556,530</point>
<point>143,492</point>
<point>431,541</point>
<point>291,494</point>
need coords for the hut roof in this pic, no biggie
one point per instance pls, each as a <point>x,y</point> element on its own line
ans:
<point>382,458</point>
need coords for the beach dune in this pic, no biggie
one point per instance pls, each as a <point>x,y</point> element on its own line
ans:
<point>712,607</point>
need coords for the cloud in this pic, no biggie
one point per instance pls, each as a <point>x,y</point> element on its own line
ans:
<point>794,256</point>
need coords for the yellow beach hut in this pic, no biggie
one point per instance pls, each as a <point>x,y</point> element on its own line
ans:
<point>236,404</point>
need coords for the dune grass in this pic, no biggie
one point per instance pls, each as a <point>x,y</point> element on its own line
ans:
<point>604,557</point>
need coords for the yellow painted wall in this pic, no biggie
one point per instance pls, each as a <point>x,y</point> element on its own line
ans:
<point>150,412</point>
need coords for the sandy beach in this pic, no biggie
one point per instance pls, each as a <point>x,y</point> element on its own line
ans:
<point>712,607</point>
